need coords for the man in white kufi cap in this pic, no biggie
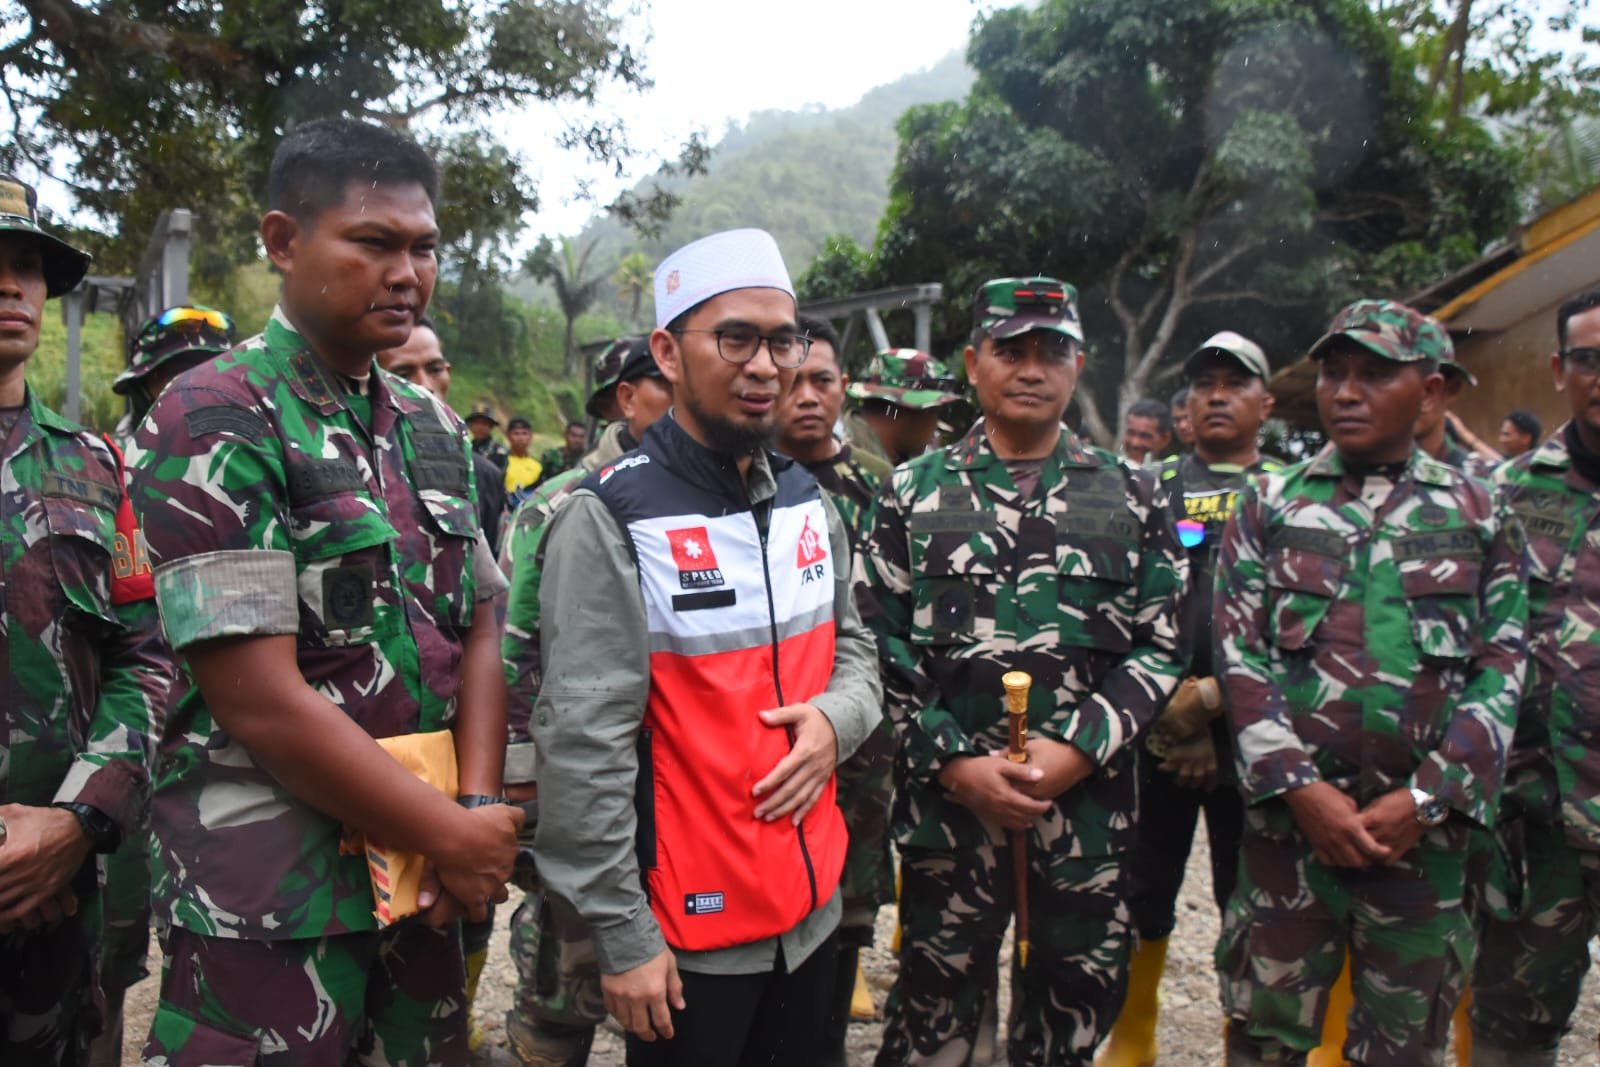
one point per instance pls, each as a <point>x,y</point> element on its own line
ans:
<point>687,735</point>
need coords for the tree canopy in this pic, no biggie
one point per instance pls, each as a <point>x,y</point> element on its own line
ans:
<point>1246,164</point>
<point>155,103</point>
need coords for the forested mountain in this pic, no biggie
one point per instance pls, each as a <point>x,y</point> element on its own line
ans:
<point>802,175</point>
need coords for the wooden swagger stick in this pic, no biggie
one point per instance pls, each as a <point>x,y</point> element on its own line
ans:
<point>1017,684</point>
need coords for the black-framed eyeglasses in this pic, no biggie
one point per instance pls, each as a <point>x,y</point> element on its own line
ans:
<point>739,344</point>
<point>1583,360</point>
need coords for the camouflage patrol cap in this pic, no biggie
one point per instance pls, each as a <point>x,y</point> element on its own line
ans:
<point>1009,307</point>
<point>64,266</point>
<point>608,370</point>
<point>1389,329</point>
<point>484,410</point>
<point>906,377</point>
<point>1450,365</point>
<point>187,331</point>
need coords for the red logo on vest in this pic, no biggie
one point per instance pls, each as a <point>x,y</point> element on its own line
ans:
<point>810,550</point>
<point>697,563</point>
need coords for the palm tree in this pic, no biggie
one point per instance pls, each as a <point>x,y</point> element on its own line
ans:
<point>575,292</point>
<point>634,279</point>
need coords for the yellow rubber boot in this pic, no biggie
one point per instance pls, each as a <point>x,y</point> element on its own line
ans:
<point>1461,1030</point>
<point>1133,1039</point>
<point>861,1006</point>
<point>1335,1024</point>
<point>475,1035</point>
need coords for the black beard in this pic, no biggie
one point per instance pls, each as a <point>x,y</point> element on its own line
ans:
<point>728,438</point>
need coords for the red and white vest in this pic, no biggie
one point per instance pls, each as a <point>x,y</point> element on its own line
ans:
<point>739,603</point>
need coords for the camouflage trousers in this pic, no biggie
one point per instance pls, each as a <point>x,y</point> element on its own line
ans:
<point>558,975</point>
<point>49,1002</point>
<point>865,790</point>
<point>395,996</point>
<point>126,891</point>
<point>1290,922</point>
<point>1530,969</point>
<point>954,910</point>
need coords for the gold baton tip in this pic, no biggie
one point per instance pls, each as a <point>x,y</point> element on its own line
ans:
<point>1016,683</point>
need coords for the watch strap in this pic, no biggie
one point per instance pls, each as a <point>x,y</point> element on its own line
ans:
<point>97,826</point>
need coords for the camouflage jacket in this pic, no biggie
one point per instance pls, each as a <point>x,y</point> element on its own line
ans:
<point>520,560</point>
<point>1466,460</point>
<point>866,780</point>
<point>859,432</point>
<point>274,509</point>
<point>1372,647</point>
<point>85,672</point>
<point>852,477</point>
<point>1555,761</point>
<point>1079,585</point>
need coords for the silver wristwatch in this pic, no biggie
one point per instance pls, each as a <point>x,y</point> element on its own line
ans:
<point>1431,811</point>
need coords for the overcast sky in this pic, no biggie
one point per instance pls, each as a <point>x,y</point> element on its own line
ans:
<point>716,60</point>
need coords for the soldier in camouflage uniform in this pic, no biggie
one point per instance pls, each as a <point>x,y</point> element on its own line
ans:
<point>1535,951</point>
<point>320,569</point>
<point>899,402</point>
<point>807,414</point>
<point>1018,548</point>
<point>421,362</point>
<point>1370,619</point>
<point>1437,426</point>
<point>557,1003</point>
<point>1186,768</point>
<point>84,672</point>
<point>166,346</point>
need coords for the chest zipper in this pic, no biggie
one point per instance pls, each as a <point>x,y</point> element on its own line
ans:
<point>762,513</point>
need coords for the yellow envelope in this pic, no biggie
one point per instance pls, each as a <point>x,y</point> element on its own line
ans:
<point>397,875</point>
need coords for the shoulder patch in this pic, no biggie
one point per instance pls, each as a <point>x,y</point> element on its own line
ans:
<point>222,418</point>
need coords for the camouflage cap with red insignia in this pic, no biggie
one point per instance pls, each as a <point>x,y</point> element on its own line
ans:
<point>1009,307</point>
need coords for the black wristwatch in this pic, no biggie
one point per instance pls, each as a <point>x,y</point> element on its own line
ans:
<point>97,826</point>
<point>480,800</point>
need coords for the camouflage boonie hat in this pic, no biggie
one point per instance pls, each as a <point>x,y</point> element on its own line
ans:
<point>906,377</point>
<point>484,410</point>
<point>1389,329</point>
<point>608,370</point>
<point>64,266</point>
<point>1009,307</point>
<point>186,330</point>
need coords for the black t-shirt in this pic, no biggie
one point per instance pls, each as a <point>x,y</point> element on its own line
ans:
<point>1586,461</point>
<point>1202,498</point>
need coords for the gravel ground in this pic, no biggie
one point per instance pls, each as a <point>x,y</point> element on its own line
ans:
<point>1191,1022</point>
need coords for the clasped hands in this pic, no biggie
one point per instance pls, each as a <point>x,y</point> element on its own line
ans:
<point>1015,794</point>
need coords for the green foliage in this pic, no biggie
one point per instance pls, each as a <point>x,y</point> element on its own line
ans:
<point>800,175</point>
<point>148,100</point>
<point>1247,164</point>
<point>842,268</point>
<point>102,361</point>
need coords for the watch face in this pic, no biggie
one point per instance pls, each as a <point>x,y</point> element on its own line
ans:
<point>1434,812</point>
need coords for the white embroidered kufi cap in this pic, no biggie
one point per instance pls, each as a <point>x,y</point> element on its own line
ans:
<point>721,263</point>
